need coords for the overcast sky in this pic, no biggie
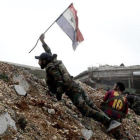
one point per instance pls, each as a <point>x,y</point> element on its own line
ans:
<point>111,29</point>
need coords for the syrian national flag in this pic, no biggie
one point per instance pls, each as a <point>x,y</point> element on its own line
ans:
<point>68,22</point>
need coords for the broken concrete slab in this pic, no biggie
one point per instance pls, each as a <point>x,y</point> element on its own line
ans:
<point>22,81</point>
<point>19,90</point>
<point>87,133</point>
<point>5,122</point>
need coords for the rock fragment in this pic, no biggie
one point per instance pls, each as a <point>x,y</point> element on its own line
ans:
<point>87,133</point>
<point>51,111</point>
<point>22,81</point>
<point>19,90</point>
<point>5,122</point>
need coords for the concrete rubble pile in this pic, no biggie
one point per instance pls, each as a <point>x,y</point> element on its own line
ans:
<point>29,112</point>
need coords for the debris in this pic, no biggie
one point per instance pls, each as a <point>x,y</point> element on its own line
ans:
<point>51,111</point>
<point>22,123</point>
<point>4,77</point>
<point>19,90</point>
<point>40,117</point>
<point>87,133</point>
<point>5,122</point>
<point>22,82</point>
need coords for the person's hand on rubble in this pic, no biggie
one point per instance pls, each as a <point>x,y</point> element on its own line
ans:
<point>42,36</point>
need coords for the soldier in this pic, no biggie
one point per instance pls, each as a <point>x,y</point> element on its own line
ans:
<point>134,102</point>
<point>59,81</point>
<point>115,104</point>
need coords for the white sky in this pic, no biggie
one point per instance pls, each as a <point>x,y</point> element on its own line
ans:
<point>111,29</point>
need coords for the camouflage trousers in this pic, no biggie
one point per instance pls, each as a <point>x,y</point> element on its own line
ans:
<point>81,100</point>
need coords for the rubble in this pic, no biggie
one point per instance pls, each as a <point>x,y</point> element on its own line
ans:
<point>51,111</point>
<point>21,81</point>
<point>38,115</point>
<point>87,133</point>
<point>19,90</point>
<point>5,122</point>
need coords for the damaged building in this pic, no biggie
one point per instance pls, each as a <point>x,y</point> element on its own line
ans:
<point>105,76</point>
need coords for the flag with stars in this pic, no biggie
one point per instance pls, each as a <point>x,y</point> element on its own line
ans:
<point>68,22</point>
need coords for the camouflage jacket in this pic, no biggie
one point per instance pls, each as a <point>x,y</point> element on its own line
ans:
<point>47,49</point>
<point>134,101</point>
<point>57,78</point>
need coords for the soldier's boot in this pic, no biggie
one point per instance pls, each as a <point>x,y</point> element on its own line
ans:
<point>111,125</point>
<point>114,125</point>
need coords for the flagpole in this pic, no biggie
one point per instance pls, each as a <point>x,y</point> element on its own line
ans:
<point>50,27</point>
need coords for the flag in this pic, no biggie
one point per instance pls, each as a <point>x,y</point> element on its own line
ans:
<point>68,22</point>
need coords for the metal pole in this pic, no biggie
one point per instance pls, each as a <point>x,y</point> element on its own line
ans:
<point>50,27</point>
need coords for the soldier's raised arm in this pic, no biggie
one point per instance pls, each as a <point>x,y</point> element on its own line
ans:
<point>45,46</point>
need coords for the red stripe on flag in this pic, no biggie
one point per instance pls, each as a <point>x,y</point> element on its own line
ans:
<point>79,35</point>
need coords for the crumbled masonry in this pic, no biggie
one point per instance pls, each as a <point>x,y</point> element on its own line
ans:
<point>37,115</point>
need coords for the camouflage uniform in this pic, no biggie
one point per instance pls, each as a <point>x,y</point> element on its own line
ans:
<point>134,103</point>
<point>72,89</point>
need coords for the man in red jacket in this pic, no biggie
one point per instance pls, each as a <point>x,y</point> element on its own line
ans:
<point>115,104</point>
